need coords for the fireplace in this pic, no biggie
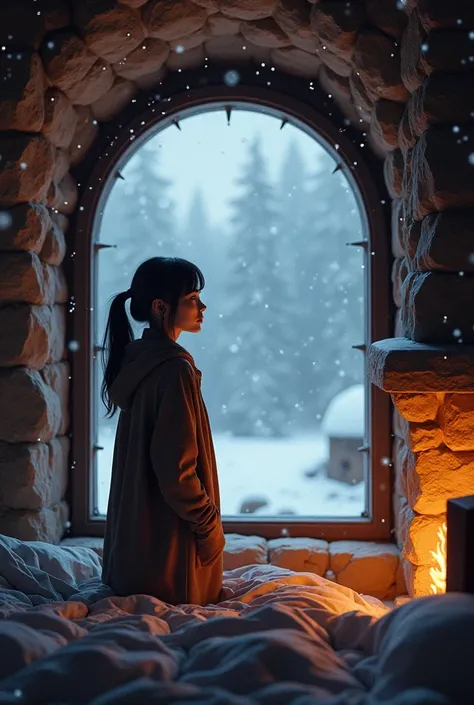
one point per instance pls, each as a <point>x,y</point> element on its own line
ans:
<point>432,390</point>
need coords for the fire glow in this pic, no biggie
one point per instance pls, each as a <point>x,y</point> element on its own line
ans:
<point>438,571</point>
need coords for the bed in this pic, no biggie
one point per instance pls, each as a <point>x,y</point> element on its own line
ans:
<point>278,638</point>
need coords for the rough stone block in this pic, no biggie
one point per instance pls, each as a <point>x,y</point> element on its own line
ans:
<point>442,99</point>
<point>21,104</point>
<point>110,30</point>
<point>446,242</point>
<point>25,228</point>
<point>364,105</point>
<point>144,60</point>
<point>191,59</point>
<point>411,238</point>
<point>265,33</point>
<point>23,279</point>
<point>385,122</point>
<point>95,83</point>
<point>170,19</point>
<point>457,421</point>
<point>211,6</point>
<point>419,436</point>
<point>398,222</point>
<point>386,16</point>
<point>46,524</point>
<point>26,168</point>
<point>66,59</point>
<point>57,377</point>
<point>393,169</point>
<point>63,196</point>
<point>247,9</point>
<point>61,165</point>
<point>33,476</point>
<point>437,307</point>
<point>293,16</point>
<point>400,270</point>
<point>54,246</point>
<point>365,566</point>
<point>377,62</point>
<point>31,409</point>
<point>442,175</point>
<point>114,101</point>
<point>417,578</point>
<point>444,50</point>
<point>434,476</point>
<point>85,133</point>
<point>36,335</point>
<point>417,407</point>
<point>296,62</point>
<point>401,454</point>
<point>401,365</point>
<point>398,325</point>
<point>244,550</point>
<point>220,25</point>
<point>191,41</point>
<point>337,25</point>
<point>435,14</point>
<point>133,3</point>
<point>335,85</point>
<point>420,536</point>
<point>60,118</point>
<point>303,555</point>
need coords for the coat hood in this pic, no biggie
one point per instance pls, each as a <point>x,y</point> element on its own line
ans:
<point>141,357</point>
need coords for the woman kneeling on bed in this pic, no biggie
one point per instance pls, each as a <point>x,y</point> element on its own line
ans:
<point>164,533</point>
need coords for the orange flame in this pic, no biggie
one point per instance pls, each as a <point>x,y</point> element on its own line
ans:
<point>438,571</point>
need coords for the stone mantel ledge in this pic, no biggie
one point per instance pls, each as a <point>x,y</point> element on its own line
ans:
<point>402,365</point>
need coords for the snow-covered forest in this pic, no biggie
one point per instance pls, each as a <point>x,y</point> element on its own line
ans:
<point>285,294</point>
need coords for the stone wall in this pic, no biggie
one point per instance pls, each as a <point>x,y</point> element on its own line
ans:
<point>401,71</point>
<point>431,179</point>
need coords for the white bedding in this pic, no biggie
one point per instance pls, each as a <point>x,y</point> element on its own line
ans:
<point>280,638</point>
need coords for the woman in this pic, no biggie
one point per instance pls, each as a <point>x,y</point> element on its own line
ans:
<point>164,533</point>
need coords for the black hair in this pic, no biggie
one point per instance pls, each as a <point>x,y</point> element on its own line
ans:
<point>166,278</point>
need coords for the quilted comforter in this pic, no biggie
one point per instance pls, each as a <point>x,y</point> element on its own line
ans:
<point>278,638</point>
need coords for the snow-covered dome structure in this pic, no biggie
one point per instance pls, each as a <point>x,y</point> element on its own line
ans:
<point>344,417</point>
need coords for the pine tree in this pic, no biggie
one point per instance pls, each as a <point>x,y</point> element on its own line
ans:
<point>259,393</point>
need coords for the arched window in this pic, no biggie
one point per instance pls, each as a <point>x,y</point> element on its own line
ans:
<point>275,205</point>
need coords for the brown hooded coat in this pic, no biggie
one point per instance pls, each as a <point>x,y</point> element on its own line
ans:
<point>164,533</point>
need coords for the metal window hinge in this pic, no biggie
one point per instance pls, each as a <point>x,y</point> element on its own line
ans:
<point>96,447</point>
<point>283,123</point>
<point>363,449</point>
<point>358,243</point>
<point>102,246</point>
<point>118,175</point>
<point>363,347</point>
<point>228,112</point>
<point>98,348</point>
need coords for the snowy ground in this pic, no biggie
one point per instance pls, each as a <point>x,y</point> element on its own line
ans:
<point>270,468</point>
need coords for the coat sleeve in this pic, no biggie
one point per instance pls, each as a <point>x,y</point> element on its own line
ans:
<point>174,450</point>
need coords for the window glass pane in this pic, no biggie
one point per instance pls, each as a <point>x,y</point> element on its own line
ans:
<point>267,214</point>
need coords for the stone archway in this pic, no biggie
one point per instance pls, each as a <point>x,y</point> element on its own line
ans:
<point>385,64</point>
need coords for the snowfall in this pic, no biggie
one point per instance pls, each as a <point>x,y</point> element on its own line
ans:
<point>274,469</point>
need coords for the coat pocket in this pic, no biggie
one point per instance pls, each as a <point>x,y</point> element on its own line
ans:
<point>209,549</point>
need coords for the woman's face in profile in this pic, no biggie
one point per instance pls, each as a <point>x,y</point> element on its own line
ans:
<point>189,314</point>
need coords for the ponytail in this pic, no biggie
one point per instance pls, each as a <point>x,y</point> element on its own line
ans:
<point>118,334</point>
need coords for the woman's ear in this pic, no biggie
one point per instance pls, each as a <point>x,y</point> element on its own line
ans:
<point>158,307</point>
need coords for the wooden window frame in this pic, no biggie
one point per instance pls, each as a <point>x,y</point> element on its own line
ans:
<point>293,99</point>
